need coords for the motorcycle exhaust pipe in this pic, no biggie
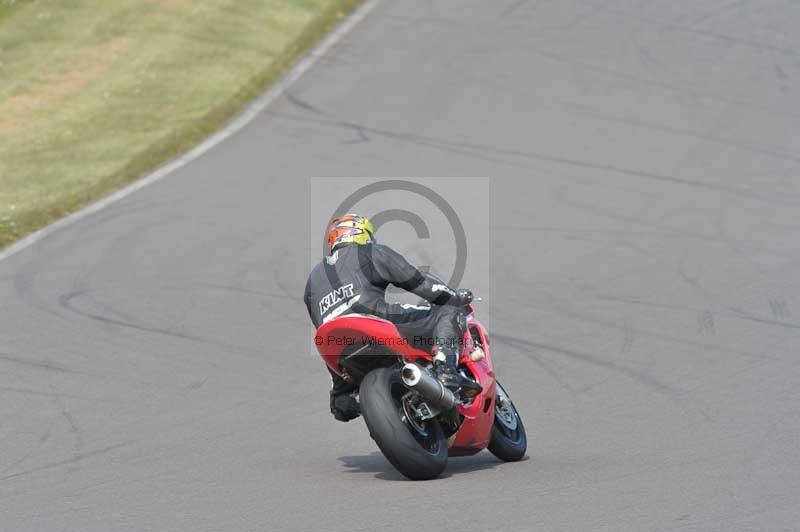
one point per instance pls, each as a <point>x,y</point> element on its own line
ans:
<point>428,387</point>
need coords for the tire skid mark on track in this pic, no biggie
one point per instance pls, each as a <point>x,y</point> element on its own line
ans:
<point>496,153</point>
<point>77,458</point>
<point>638,376</point>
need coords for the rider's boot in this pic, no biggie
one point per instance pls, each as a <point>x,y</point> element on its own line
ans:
<point>344,405</point>
<point>445,363</point>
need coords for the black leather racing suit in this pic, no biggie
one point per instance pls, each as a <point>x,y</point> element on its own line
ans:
<point>353,280</point>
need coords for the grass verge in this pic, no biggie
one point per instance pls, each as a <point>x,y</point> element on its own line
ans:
<point>94,94</point>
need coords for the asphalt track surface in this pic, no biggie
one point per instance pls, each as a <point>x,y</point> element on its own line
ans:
<point>154,367</point>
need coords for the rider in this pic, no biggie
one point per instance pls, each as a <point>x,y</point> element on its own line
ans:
<point>353,279</point>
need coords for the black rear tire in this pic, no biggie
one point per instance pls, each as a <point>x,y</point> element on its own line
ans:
<point>417,454</point>
<point>509,441</point>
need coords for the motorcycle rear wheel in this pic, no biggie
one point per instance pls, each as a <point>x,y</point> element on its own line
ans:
<point>416,449</point>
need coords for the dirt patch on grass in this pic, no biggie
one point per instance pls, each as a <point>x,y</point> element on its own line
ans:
<point>94,94</point>
<point>87,66</point>
<point>173,4</point>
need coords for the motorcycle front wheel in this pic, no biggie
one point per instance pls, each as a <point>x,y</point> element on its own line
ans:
<point>417,449</point>
<point>509,441</point>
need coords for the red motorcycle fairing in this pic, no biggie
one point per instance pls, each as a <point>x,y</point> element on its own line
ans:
<point>340,335</point>
<point>476,429</point>
<point>344,334</point>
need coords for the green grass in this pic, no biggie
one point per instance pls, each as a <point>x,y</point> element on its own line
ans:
<point>95,93</point>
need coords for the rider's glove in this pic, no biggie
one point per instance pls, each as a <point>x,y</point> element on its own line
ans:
<point>463,297</point>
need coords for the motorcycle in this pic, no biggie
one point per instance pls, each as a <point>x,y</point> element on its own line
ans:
<point>415,420</point>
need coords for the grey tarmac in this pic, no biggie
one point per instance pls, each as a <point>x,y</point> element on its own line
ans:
<point>156,367</point>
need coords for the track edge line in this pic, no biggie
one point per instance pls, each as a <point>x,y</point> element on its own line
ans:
<point>247,115</point>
